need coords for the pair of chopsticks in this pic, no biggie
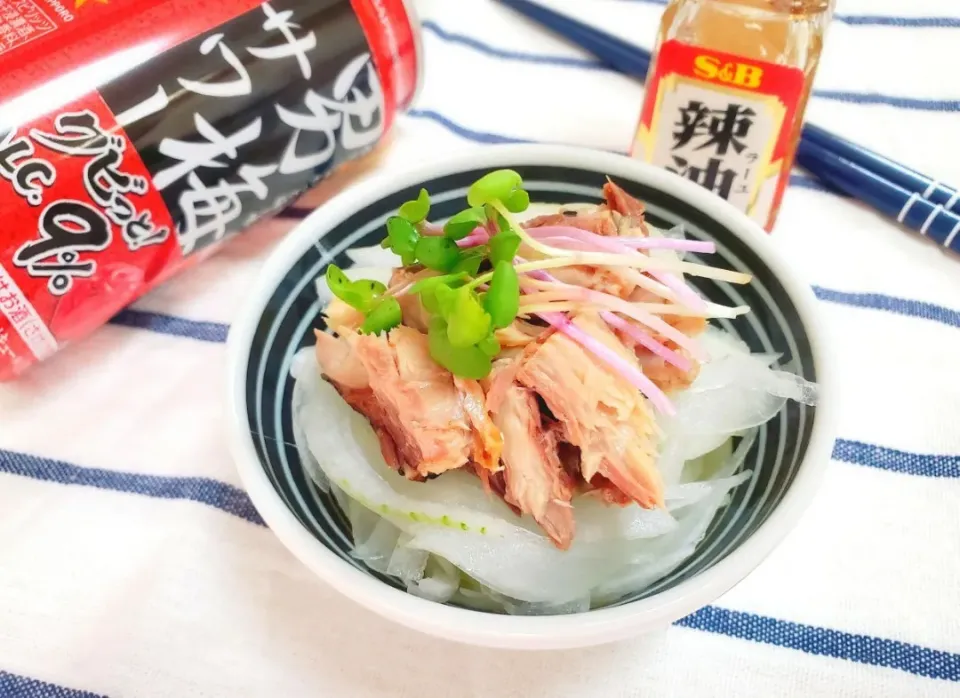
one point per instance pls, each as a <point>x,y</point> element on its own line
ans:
<point>918,202</point>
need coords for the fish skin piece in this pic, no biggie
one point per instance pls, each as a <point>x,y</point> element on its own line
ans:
<point>631,208</point>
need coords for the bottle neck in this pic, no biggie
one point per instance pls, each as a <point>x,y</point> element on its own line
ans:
<point>780,7</point>
<point>751,28</point>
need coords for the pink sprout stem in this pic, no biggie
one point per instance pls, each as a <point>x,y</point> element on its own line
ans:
<point>478,237</point>
<point>633,243</point>
<point>685,294</point>
<point>628,328</point>
<point>569,237</point>
<point>563,324</point>
<point>592,240</point>
<point>645,340</point>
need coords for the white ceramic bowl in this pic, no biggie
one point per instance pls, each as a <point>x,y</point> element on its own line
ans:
<point>283,308</point>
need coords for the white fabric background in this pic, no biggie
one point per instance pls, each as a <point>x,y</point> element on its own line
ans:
<point>121,594</point>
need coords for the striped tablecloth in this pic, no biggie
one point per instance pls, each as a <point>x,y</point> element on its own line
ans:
<point>132,564</point>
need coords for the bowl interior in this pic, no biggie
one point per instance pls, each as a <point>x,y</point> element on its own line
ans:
<point>293,312</point>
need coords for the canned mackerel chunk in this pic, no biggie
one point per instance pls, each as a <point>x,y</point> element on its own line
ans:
<point>137,135</point>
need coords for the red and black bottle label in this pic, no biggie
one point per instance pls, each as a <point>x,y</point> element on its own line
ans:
<point>114,190</point>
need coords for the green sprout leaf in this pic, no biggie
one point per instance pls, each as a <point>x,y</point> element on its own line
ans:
<point>457,278</point>
<point>403,238</point>
<point>466,362</point>
<point>428,299</point>
<point>446,299</point>
<point>416,211</point>
<point>467,322</point>
<point>489,345</point>
<point>493,186</point>
<point>502,300</point>
<point>439,254</point>
<point>383,318</point>
<point>517,202</point>
<point>464,223</point>
<point>503,247</point>
<point>427,288</point>
<point>361,295</point>
<point>470,262</point>
<point>371,286</point>
<point>337,280</point>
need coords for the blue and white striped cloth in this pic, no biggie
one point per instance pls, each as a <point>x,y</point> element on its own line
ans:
<point>131,563</point>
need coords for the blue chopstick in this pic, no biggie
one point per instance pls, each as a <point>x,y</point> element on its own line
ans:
<point>892,171</point>
<point>915,200</point>
<point>618,54</point>
<point>907,207</point>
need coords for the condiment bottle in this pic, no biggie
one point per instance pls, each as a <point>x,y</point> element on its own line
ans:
<point>136,136</point>
<point>726,94</point>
